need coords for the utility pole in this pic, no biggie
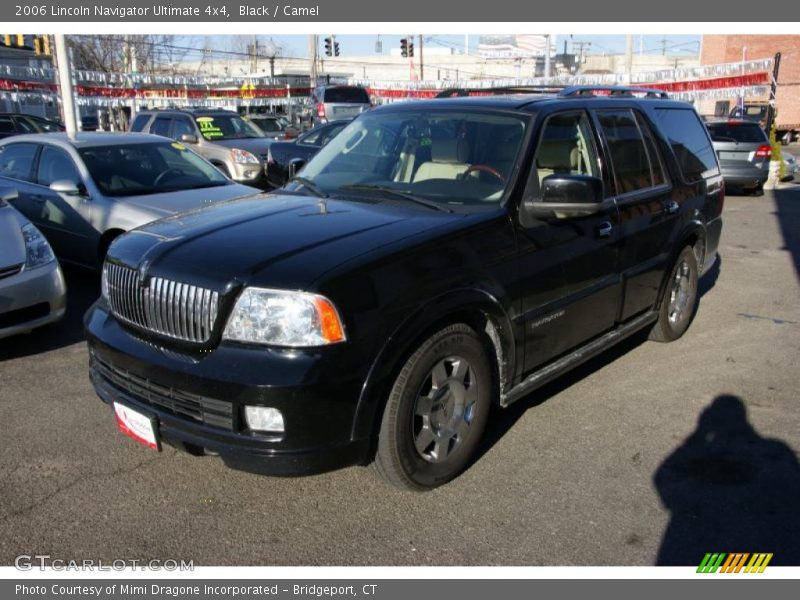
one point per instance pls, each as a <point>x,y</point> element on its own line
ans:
<point>312,57</point>
<point>547,56</point>
<point>772,89</point>
<point>421,64</point>
<point>628,56</point>
<point>65,85</point>
<point>663,46</point>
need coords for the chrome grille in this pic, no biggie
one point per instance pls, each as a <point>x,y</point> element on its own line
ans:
<point>177,310</point>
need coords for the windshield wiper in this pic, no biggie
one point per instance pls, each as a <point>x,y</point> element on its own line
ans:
<point>397,193</point>
<point>309,185</point>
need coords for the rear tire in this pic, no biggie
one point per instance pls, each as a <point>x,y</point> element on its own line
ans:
<point>679,302</point>
<point>436,412</point>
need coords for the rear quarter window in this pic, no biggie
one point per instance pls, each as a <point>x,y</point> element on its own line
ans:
<point>689,140</point>
<point>349,95</point>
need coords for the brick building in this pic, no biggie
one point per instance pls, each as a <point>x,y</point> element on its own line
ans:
<point>730,48</point>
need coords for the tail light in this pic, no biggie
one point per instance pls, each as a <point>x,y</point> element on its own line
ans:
<point>321,110</point>
<point>764,151</point>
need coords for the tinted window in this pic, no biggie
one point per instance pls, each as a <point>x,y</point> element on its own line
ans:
<point>161,126</point>
<point>270,125</point>
<point>139,122</point>
<point>182,127</point>
<point>43,125</point>
<point>352,95</point>
<point>689,141</point>
<point>749,133</point>
<point>628,154</point>
<point>312,138</point>
<point>7,125</point>
<point>55,164</point>
<point>566,146</point>
<point>149,168</point>
<point>16,161</point>
<point>656,164</point>
<point>226,127</point>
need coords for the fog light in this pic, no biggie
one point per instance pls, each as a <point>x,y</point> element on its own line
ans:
<point>264,418</point>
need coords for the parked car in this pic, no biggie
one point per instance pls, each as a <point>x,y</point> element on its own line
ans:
<point>229,142</point>
<point>790,166</point>
<point>273,126</point>
<point>32,288</point>
<point>336,102</point>
<point>434,258</point>
<point>82,192</point>
<point>17,123</point>
<point>285,158</point>
<point>744,152</point>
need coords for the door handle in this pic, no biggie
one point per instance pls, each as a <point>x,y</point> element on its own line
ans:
<point>671,207</point>
<point>604,229</point>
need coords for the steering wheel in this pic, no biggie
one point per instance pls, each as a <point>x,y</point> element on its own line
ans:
<point>162,176</point>
<point>485,169</point>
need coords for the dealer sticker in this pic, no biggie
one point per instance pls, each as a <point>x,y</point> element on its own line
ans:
<point>136,425</point>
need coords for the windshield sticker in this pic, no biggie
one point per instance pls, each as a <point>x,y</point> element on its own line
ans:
<point>207,127</point>
<point>178,146</point>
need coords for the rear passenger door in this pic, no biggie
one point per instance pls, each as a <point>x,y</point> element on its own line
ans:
<point>648,213</point>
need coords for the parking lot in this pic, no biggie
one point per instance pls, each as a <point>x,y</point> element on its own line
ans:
<point>649,454</point>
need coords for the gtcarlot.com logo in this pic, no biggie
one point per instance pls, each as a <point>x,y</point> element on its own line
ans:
<point>28,562</point>
<point>737,562</point>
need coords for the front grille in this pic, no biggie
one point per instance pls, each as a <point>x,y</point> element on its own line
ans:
<point>176,310</point>
<point>205,410</point>
<point>9,271</point>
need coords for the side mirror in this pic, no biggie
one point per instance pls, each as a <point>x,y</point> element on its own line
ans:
<point>295,165</point>
<point>189,138</point>
<point>68,188</point>
<point>565,196</point>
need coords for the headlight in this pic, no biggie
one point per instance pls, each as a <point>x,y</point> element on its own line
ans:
<point>38,251</point>
<point>284,318</point>
<point>243,156</point>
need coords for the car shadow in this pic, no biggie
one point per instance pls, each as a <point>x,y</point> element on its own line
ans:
<point>787,202</point>
<point>729,490</point>
<point>501,420</point>
<point>83,288</point>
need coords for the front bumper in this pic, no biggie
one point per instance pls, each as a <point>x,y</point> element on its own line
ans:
<point>198,399</point>
<point>31,299</point>
<point>250,174</point>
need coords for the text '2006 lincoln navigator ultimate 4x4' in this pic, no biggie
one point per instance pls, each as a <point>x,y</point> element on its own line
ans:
<point>434,258</point>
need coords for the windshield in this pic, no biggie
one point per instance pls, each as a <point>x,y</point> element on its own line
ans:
<point>226,127</point>
<point>450,157</point>
<point>151,168</point>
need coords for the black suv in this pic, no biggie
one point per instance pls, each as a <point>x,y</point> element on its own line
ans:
<point>434,258</point>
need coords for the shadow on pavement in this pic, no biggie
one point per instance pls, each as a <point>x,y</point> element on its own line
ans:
<point>729,490</point>
<point>83,288</point>
<point>787,201</point>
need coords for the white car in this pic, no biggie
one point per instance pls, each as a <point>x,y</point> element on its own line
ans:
<point>32,288</point>
<point>790,166</point>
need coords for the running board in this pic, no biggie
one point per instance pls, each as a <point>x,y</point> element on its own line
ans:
<point>582,354</point>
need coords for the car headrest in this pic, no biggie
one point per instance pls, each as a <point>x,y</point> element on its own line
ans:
<point>556,154</point>
<point>449,151</point>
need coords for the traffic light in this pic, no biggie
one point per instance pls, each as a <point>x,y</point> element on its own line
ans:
<point>336,48</point>
<point>411,48</point>
<point>404,47</point>
<point>328,47</point>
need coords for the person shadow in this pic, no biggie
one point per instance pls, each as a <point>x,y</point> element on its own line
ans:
<point>729,490</point>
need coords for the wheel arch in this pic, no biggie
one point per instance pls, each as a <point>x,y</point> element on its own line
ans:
<point>477,308</point>
<point>108,236</point>
<point>694,235</point>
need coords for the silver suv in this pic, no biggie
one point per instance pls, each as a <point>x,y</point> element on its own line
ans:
<point>336,102</point>
<point>744,152</point>
<point>230,143</point>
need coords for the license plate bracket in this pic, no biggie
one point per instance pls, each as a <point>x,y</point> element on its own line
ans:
<point>135,424</point>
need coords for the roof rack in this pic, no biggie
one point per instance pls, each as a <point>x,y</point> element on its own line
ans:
<point>611,90</point>
<point>497,91</point>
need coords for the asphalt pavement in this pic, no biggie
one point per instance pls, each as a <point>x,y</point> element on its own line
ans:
<point>649,454</point>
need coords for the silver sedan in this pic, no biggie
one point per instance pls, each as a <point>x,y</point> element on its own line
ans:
<point>84,191</point>
<point>32,288</point>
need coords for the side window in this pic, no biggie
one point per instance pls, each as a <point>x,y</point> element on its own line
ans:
<point>629,158</point>
<point>55,164</point>
<point>566,146</point>
<point>25,125</point>
<point>139,122</point>
<point>16,161</point>
<point>656,163</point>
<point>689,140</point>
<point>181,127</point>
<point>161,126</point>
<point>7,125</point>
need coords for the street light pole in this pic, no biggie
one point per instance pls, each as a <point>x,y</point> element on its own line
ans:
<point>65,85</point>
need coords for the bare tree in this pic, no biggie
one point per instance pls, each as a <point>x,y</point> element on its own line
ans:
<point>109,53</point>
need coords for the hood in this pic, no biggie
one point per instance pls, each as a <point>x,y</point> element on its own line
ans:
<point>12,244</point>
<point>281,241</point>
<point>257,146</point>
<point>172,202</point>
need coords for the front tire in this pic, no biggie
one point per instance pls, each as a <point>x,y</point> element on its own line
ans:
<point>436,412</point>
<point>679,303</point>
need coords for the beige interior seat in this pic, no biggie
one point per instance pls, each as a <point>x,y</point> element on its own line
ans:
<point>557,156</point>
<point>448,161</point>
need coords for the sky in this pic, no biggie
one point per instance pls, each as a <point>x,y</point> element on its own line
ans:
<point>365,45</point>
